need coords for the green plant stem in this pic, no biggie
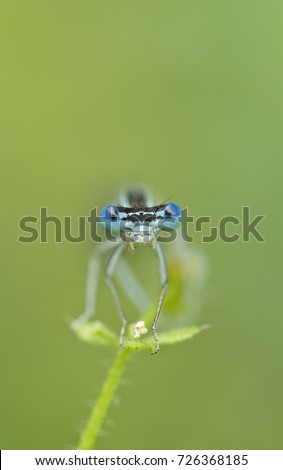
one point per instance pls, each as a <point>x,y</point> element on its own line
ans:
<point>98,414</point>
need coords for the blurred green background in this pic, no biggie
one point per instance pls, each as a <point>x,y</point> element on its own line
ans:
<point>185,96</point>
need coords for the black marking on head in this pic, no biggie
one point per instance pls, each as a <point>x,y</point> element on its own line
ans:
<point>141,214</point>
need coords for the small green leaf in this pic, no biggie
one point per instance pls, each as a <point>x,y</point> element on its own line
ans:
<point>97,333</point>
<point>178,336</point>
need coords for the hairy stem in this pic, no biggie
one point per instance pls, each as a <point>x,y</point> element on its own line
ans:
<point>99,412</point>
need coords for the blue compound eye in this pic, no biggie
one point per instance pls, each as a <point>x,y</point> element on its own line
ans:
<point>109,213</point>
<point>170,216</point>
<point>172,210</point>
<point>110,219</point>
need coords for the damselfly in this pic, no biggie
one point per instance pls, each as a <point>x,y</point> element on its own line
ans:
<point>134,222</point>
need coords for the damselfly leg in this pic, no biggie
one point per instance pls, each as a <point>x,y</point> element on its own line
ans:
<point>93,274</point>
<point>164,283</point>
<point>109,281</point>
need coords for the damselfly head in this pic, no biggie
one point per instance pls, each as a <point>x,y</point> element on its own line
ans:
<point>137,222</point>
